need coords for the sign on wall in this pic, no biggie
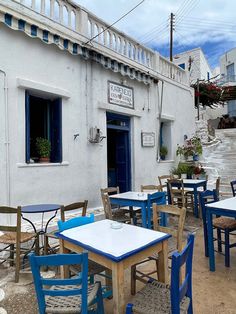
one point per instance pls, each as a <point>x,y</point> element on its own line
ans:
<point>148,139</point>
<point>120,95</point>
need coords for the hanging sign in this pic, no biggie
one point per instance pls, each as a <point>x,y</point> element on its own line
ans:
<point>120,95</point>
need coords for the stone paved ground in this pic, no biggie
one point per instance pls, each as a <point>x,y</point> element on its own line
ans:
<point>213,293</point>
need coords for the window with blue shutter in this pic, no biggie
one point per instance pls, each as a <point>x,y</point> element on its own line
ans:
<point>43,119</point>
<point>182,65</point>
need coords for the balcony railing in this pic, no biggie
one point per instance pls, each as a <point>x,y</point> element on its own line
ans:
<point>89,26</point>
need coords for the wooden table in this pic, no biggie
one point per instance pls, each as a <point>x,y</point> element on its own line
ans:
<point>226,208</point>
<point>193,184</point>
<point>117,249</point>
<point>140,199</point>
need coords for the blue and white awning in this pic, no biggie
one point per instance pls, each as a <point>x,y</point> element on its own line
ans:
<point>34,31</point>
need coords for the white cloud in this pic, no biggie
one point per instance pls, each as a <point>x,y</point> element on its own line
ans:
<point>198,22</point>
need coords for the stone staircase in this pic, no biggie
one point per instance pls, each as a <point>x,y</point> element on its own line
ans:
<point>219,159</point>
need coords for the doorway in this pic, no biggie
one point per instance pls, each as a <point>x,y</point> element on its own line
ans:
<point>118,151</point>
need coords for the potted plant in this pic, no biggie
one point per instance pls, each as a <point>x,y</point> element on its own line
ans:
<point>43,148</point>
<point>163,152</point>
<point>175,173</point>
<point>192,148</point>
<point>183,170</point>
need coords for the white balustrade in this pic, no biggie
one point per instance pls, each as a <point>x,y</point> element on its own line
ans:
<point>92,27</point>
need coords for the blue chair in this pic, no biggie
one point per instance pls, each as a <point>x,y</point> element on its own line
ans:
<point>223,225</point>
<point>93,267</point>
<point>157,297</point>
<point>70,295</point>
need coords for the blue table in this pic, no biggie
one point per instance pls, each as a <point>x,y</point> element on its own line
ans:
<point>226,208</point>
<point>194,185</point>
<point>143,201</point>
<point>40,208</point>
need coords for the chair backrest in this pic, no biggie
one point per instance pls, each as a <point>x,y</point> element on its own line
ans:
<point>233,187</point>
<point>150,188</point>
<point>218,187</point>
<point>207,197</point>
<point>74,206</point>
<point>14,214</point>
<point>163,180</point>
<point>176,190</point>
<point>173,212</point>
<point>79,284</point>
<point>75,222</point>
<point>106,203</point>
<point>179,288</point>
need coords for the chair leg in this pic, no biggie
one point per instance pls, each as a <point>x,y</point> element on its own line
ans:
<point>36,249</point>
<point>129,308</point>
<point>219,240</point>
<point>46,245</point>
<point>133,280</point>
<point>157,269</point>
<point>17,266</point>
<point>12,254</point>
<point>227,253</point>
<point>100,305</point>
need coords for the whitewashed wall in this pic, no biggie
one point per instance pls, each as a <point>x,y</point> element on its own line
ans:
<point>84,168</point>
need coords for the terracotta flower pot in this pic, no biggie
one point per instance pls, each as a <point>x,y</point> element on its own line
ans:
<point>44,159</point>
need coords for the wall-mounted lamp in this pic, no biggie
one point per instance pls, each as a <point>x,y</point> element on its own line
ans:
<point>95,135</point>
<point>75,136</point>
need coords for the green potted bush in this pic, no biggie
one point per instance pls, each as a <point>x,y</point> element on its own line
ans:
<point>183,170</point>
<point>43,148</point>
<point>163,152</point>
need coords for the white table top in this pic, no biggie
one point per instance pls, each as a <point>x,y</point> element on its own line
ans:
<point>193,181</point>
<point>229,204</point>
<point>137,196</point>
<point>116,244</point>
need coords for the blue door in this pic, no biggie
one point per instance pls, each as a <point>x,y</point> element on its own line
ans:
<point>118,151</point>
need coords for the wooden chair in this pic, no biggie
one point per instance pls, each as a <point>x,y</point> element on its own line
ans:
<point>117,213</point>
<point>157,297</point>
<point>70,295</point>
<point>151,188</point>
<point>233,187</point>
<point>163,181</point>
<point>223,225</point>
<point>175,243</point>
<point>178,195</point>
<point>13,238</point>
<point>52,235</point>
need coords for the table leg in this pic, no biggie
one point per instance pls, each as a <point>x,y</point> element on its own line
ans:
<point>210,241</point>
<point>118,288</point>
<point>163,263</point>
<point>195,210</point>
<point>144,216</point>
<point>64,269</point>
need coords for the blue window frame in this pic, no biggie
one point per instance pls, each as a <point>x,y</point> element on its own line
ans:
<point>43,119</point>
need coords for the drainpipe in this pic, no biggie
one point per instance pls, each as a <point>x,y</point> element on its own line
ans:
<point>159,116</point>
<point>5,88</point>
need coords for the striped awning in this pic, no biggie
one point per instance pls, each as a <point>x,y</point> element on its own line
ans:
<point>74,48</point>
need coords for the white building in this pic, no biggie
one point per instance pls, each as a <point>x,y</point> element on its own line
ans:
<point>195,62</point>
<point>100,102</point>
<point>228,78</point>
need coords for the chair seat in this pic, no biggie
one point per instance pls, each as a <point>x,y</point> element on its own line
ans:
<point>224,223</point>
<point>154,298</point>
<point>69,304</point>
<point>10,237</point>
<point>93,268</point>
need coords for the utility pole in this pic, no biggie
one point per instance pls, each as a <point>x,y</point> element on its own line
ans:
<point>171,35</point>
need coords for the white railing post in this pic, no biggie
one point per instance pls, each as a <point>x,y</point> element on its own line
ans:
<point>82,22</point>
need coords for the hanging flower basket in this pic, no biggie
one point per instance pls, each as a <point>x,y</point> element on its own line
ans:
<point>209,94</point>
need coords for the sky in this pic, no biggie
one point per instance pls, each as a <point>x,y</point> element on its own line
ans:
<point>209,24</point>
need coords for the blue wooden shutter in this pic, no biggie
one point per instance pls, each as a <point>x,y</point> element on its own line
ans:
<point>27,127</point>
<point>56,130</point>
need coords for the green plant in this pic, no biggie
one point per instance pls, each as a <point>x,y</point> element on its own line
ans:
<point>43,147</point>
<point>163,150</point>
<point>182,168</point>
<point>191,147</point>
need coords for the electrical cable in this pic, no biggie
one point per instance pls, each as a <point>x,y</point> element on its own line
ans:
<point>108,27</point>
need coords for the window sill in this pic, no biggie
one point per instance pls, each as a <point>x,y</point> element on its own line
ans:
<point>166,161</point>
<point>50,164</point>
